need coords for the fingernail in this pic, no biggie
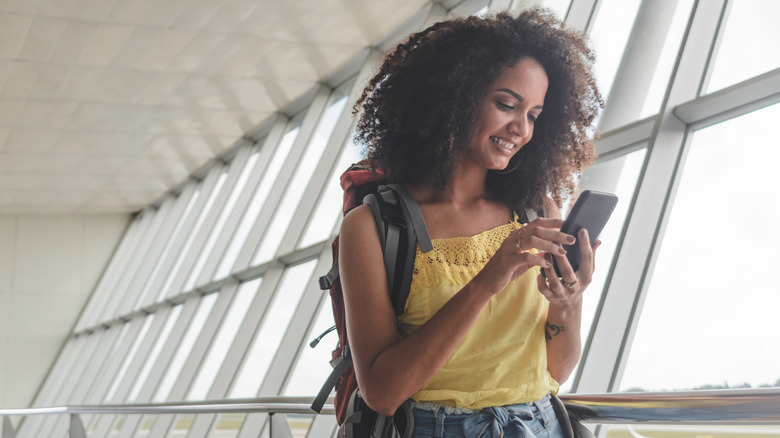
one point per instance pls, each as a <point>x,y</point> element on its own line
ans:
<point>570,239</point>
<point>561,251</point>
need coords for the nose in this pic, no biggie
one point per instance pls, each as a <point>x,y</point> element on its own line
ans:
<point>520,127</point>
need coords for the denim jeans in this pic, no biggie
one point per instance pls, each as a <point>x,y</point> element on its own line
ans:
<point>527,420</point>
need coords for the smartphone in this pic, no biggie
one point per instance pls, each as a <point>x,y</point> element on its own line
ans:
<point>591,211</point>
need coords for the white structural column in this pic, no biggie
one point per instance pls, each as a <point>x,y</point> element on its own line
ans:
<point>617,316</point>
<point>637,66</point>
<point>632,81</point>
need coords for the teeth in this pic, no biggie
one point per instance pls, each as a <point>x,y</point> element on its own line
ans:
<point>502,143</point>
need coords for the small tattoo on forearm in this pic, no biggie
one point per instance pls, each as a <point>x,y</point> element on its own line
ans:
<point>551,330</point>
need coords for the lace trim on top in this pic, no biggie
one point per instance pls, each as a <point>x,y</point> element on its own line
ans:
<point>457,260</point>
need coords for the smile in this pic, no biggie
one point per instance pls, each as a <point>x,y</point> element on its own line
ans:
<point>502,143</point>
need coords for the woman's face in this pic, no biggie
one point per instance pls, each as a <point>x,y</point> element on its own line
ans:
<point>507,114</point>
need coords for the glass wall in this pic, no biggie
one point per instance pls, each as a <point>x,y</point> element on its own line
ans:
<point>213,292</point>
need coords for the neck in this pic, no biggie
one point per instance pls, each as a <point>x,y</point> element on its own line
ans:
<point>466,185</point>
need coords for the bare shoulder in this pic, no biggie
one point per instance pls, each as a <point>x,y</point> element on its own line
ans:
<point>551,210</point>
<point>357,218</point>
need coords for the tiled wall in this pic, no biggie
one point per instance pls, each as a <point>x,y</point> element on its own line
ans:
<point>49,265</point>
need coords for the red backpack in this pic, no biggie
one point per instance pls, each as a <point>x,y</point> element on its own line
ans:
<point>401,227</point>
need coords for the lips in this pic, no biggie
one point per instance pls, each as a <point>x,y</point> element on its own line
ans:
<point>503,143</point>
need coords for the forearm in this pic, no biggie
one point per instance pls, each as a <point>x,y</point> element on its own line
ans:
<point>562,332</point>
<point>404,367</point>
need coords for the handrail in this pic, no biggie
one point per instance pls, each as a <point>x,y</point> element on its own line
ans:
<point>759,406</point>
<point>282,405</point>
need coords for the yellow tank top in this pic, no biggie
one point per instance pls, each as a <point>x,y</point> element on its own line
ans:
<point>503,358</point>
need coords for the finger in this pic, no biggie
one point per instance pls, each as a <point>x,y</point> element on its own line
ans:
<point>552,280</point>
<point>596,246</point>
<point>544,288</point>
<point>554,235</point>
<point>534,260</point>
<point>586,251</point>
<point>547,222</point>
<point>567,272</point>
<point>542,245</point>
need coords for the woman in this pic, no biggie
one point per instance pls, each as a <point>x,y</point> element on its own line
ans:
<point>478,119</point>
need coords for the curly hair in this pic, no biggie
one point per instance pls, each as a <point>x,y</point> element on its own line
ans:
<point>419,110</point>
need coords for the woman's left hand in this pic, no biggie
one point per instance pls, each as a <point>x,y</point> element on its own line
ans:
<point>571,284</point>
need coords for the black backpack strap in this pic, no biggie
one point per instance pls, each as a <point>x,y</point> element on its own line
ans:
<point>326,281</point>
<point>399,209</point>
<point>412,210</point>
<point>340,367</point>
<point>529,214</point>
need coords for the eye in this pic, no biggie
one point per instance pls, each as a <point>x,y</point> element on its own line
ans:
<point>532,118</point>
<point>504,106</point>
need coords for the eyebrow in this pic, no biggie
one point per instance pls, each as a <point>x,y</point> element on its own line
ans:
<point>516,96</point>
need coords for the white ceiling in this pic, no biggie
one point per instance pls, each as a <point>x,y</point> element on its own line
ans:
<point>107,104</point>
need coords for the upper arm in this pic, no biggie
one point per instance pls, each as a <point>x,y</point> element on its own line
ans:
<point>371,322</point>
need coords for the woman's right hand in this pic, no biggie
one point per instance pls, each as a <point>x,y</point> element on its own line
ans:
<point>514,256</point>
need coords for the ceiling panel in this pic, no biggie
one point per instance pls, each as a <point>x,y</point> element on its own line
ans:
<point>107,104</point>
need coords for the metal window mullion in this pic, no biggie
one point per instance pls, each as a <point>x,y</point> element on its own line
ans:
<point>106,421</point>
<point>146,219</point>
<point>734,101</point>
<point>156,267</point>
<point>169,209</point>
<point>97,365</point>
<point>138,361</point>
<point>52,382</point>
<point>76,393</point>
<point>102,293</point>
<point>120,395</point>
<point>716,41</point>
<point>162,363</point>
<point>322,426</point>
<point>425,17</point>
<point>123,287</point>
<point>205,228</point>
<point>293,341</point>
<point>317,184</point>
<point>632,80</point>
<point>97,396</point>
<point>242,344</point>
<point>172,217</point>
<point>606,353</point>
<point>267,150</point>
<point>196,356</point>
<point>336,143</point>
<point>637,64</point>
<point>627,135</point>
<point>582,14</point>
<point>127,288</point>
<point>467,7</point>
<point>74,376</point>
<point>205,188</point>
<point>233,174</point>
<point>275,196</point>
<point>169,261</point>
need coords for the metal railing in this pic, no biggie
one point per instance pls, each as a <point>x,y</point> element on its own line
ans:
<point>718,407</point>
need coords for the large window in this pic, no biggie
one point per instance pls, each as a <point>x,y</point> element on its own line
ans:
<point>711,304</point>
